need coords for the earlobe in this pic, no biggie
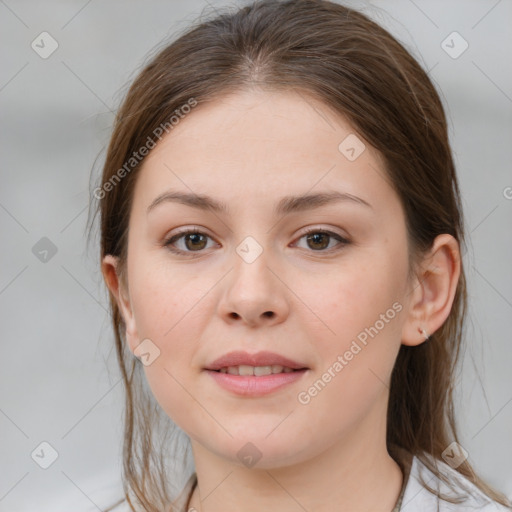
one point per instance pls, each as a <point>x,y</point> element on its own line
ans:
<point>114,282</point>
<point>433,291</point>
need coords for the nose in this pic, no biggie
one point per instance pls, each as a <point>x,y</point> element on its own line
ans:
<point>255,294</point>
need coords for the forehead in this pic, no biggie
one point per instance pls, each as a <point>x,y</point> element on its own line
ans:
<point>255,145</point>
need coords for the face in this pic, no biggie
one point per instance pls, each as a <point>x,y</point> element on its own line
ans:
<point>252,279</point>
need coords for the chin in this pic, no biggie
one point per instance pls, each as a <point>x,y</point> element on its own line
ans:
<point>260,452</point>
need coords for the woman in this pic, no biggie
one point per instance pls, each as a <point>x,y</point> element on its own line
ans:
<point>281,237</point>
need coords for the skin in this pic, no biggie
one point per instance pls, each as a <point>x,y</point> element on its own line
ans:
<point>249,149</point>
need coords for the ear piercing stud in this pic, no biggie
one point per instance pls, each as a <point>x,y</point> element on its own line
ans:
<point>424,333</point>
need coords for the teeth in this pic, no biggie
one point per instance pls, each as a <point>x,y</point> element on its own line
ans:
<point>258,371</point>
<point>244,370</point>
<point>261,370</point>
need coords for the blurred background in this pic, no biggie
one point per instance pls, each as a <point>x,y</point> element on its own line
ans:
<point>65,67</point>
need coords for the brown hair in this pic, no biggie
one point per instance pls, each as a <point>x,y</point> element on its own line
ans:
<point>357,68</point>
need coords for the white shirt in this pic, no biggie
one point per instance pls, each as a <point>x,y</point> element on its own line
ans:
<point>419,499</point>
<point>416,497</point>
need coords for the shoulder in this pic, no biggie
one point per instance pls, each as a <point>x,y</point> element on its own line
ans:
<point>417,498</point>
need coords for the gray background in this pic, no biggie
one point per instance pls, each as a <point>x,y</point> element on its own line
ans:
<point>58,375</point>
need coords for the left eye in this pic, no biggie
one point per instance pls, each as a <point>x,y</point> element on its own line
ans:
<point>319,239</point>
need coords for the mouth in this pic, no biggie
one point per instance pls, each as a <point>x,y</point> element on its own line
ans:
<point>257,371</point>
<point>253,375</point>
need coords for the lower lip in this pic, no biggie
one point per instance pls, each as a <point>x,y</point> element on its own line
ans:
<point>250,385</point>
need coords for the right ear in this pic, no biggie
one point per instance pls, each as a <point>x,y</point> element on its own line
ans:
<point>109,269</point>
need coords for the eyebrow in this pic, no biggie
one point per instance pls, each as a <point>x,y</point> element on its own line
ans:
<point>286,205</point>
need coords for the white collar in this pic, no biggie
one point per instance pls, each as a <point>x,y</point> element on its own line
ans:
<point>416,497</point>
<point>419,499</point>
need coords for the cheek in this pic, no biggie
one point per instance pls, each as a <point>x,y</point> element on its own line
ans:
<point>167,303</point>
<point>171,310</point>
<point>354,364</point>
<point>353,297</point>
<point>361,318</point>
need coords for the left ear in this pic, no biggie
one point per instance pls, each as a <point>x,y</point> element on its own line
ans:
<point>433,290</point>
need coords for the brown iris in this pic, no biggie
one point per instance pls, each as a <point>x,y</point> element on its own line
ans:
<point>195,238</point>
<point>317,239</point>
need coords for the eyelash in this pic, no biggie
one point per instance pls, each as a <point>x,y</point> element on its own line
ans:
<point>168,243</point>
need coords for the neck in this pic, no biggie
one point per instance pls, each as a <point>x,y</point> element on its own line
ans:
<point>355,474</point>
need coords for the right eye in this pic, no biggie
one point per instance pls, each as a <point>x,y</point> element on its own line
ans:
<point>193,240</point>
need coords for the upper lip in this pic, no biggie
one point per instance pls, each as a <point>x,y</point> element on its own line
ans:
<point>238,358</point>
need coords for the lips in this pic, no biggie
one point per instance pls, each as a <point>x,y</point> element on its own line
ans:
<point>258,359</point>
